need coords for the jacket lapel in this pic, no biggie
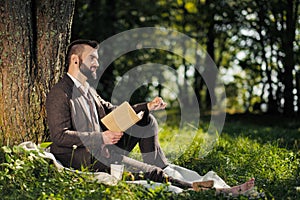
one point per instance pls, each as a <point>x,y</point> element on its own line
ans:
<point>81,101</point>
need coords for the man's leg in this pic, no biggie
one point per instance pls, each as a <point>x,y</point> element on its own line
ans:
<point>152,172</point>
<point>147,138</point>
<point>154,158</point>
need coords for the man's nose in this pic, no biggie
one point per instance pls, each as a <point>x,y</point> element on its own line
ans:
<point>95,63</point>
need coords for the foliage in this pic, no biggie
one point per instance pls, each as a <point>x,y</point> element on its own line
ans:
<point>26,175</point>
<point>253,43</point>
<point>245,149</point>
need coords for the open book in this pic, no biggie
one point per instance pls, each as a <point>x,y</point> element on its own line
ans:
<point>121,118</point>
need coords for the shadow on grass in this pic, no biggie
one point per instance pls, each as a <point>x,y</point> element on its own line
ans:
<point>265,129</point>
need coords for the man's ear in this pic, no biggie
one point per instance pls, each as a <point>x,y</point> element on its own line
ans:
<point>74,59</point>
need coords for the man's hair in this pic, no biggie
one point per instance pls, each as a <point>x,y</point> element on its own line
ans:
<point>77,47</point>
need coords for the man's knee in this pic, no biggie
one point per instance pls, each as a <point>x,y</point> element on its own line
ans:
<point>148,130</point>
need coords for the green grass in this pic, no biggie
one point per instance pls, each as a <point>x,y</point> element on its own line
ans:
<point>263,147</point>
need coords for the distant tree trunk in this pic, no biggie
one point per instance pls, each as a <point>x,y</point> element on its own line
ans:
<point>210,73</point>
<point>272,106</point>
<point>198,82</point>
<point>288,38</point>
<point>298,90</point>
<point>33,39</point>
<point>107,80</point>
<point>95,14</point>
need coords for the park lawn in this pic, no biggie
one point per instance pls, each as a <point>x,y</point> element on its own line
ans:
<point>260,146</point>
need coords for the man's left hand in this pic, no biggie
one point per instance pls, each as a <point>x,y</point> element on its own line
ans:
<point>156,104</point>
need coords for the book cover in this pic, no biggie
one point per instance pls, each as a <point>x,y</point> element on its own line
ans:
<point>121,118</point>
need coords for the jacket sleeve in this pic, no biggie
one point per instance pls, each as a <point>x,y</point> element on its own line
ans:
<point>142,107</point>
<point>59,118</point>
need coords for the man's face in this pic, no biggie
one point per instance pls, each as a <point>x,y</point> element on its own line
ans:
<point>89,62</point>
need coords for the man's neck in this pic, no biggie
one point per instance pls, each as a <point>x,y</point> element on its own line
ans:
<point>78,76</point>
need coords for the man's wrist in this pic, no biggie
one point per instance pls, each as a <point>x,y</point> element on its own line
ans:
<point>148,106</point>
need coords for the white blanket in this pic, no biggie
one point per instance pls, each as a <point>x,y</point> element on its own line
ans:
<point>175,171</point>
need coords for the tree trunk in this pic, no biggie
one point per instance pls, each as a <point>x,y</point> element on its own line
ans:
<point>272,106</point>
<point>211,72</point>
<point>289,60</point>
<point>33,38</point>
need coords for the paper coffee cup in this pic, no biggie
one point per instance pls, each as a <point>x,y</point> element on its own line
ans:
<point>117,170</point>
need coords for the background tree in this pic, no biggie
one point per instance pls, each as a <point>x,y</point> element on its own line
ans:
<point>33,39</point>
<point>266,39</point>
<point>253,43</point>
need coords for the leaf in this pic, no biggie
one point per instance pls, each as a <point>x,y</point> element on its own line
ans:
<point>6,149</point>
<point>8,158</point>
<point>44,145</point>
<point>191,7</point>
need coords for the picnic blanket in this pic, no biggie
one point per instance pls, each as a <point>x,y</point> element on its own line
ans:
<point>175,171</point>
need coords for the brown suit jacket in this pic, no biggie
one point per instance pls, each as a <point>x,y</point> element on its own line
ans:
<point>76,140</point>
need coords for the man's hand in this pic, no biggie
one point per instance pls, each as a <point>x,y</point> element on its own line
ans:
<point>110,137</point>
<point>156,104</point>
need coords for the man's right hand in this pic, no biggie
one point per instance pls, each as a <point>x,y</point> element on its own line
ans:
<point>110,137</point>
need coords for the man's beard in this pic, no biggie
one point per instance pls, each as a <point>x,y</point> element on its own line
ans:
<point>87,72</point>
<point>91,76</point>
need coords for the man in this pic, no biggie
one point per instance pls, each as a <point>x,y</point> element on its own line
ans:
<point>79,138</point>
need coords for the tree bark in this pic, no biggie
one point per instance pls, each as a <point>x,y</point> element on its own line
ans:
<point>33,39</point>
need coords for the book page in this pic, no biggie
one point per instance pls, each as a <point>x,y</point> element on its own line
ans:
<point>121,118</point>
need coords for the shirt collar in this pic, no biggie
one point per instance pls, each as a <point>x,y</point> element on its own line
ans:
<point>78,84</point>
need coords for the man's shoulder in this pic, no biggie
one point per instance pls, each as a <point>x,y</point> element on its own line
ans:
<point>64,85</point>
